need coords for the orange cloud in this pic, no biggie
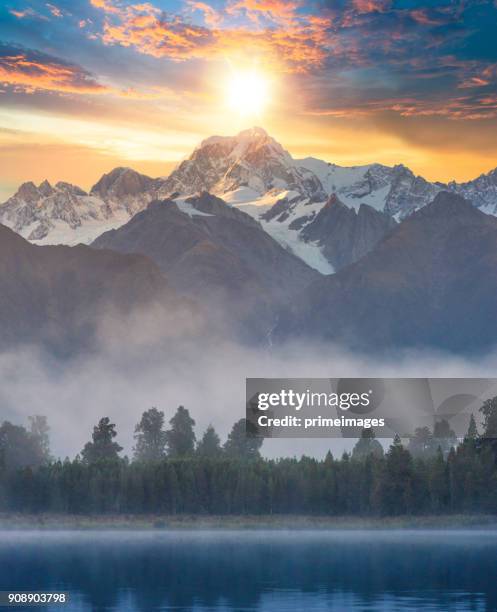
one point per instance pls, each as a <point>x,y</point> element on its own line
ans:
<point>426,17</point>
<point>55,10</point>
<point>458,108</point>
<point>297,47</point>
<point>211,17</point>
<point>105,5</point>
<point>279,11</point>
<point>371,6</point>
<point>30,72</point>
<point>29,12</point>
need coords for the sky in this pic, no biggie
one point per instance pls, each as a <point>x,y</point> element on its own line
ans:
<point>88,85</point>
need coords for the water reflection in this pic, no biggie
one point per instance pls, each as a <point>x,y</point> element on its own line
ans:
<point>256,571</point>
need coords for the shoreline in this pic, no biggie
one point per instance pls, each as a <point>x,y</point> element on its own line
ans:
<point>65,522</point>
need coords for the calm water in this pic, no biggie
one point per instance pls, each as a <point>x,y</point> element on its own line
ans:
<point>256,571</point>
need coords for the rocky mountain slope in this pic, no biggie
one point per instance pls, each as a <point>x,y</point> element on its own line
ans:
<point>66,214</point>
<point>430,282</point>
<point>253,172</point>
<point>217,254</point>
<point>68,299</point>
<point>251,160</point>
<point>344,234</point>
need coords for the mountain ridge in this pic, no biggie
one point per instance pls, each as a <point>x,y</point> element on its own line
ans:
<point>253,172</point>
<point>217,255</point>
<point>430,282</point>
<point>68,299</point>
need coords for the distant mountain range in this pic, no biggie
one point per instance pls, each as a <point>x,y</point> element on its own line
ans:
<point>218,255</point>
<point>66,299</point>
<point>414,262</point>
<point>431,281</point>
<point>296,201</point>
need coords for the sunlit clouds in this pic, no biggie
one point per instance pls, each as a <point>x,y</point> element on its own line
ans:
<point>123,82</point>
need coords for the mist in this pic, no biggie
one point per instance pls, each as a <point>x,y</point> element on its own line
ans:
<point>122,379</point>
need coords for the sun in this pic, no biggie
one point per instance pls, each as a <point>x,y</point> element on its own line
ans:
<point>248,92</point>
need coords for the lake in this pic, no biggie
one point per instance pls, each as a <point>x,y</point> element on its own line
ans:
<point>276,571</point>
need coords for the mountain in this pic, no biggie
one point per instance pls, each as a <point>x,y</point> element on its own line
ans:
<point>247,165</point>
<point>481,192</point>
<point>217,254</point>
<point>330,236</point>
<point>395,190</point>
<point>69,298</point>
<point>430,282</point>
<point>344,234</point>
<point>66,214</point>
<point>124,188</point>
<point>252,172</point>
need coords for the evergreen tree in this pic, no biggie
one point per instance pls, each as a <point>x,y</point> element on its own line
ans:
<point>102,446</point>
<point>472,429</point>
<point>367,445</point>
<point>181,437</point>
<point>39,430</point>
<point>421,443</point>
<point>397,483</point>
<point>242,443</point>
<point>438,482</point>
<point>488,443</point>
<point>210,444</point>
<point>489,411</point>
<point>443,436</point>
<point>462,480</point>
<point>150,436</point>
<point>18,448</point>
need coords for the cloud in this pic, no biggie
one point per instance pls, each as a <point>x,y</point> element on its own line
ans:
<point>300,46</point>
<point>371,6</point>
<point>30,70</point>
<point>212,17</point>
<point>122,381</point>
<point>55,10</point>
<point>27,13</point>
<point>430,17</point>
<point>283,12</point>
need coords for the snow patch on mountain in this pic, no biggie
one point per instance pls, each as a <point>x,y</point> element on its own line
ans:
<point>251,172</point>
<point>188,208</point>
<point>66,214</point>
<point>281,229</point>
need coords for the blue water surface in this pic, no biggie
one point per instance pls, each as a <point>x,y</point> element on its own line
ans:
<point>255,571</point>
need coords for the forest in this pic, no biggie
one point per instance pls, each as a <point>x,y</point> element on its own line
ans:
<point>171,472</point>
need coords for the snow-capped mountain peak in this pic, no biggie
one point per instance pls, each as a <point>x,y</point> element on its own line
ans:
<point>67,214</point>
<point>299,202</point>
<point>251,161</point>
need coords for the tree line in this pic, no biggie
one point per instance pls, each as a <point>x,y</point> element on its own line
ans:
<point>171,472</point>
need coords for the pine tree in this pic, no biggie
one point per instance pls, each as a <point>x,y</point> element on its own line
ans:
<point>489,411</point>
<point>210,444</point>
<point>367,445</point>
<point>39,431</point>
<point>102,446</point>
<point>150,437</point>
<point>241,443</point>
<point>181,437</point>
<point>472,429</point>
<point>438,482</point>
<point>489,437</point>
<point>397,481</point>
<point>443,436</point>
<point>421,443</point>
<point>18,448</point>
